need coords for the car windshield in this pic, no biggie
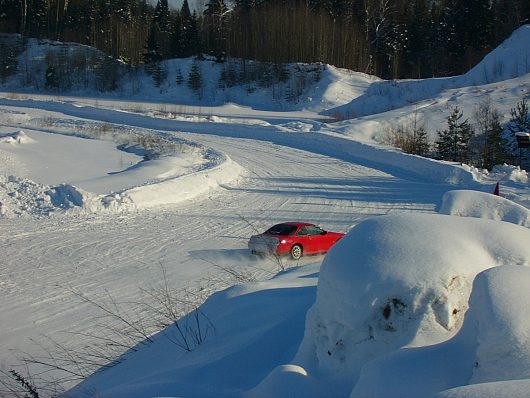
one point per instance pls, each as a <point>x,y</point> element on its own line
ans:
<point>281,229</point>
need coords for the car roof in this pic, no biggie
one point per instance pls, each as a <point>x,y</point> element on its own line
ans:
<point>296,224</point>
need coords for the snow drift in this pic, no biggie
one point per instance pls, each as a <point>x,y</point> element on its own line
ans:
<point>492,346</point>
<point>484,205</point>
<point>18,137</point>
<point>174,190</point>
<point>23,197</point>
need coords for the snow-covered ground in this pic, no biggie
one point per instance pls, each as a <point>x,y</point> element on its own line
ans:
<point>107,201</point>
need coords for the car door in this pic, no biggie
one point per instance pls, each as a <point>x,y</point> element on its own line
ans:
<point>319,239</point>
<point>304,237</point>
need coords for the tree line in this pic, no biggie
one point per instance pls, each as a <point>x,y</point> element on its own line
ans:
<point>482,142</point>
<point>391,39</point>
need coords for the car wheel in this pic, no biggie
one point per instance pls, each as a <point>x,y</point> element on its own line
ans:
<point>296,252</point>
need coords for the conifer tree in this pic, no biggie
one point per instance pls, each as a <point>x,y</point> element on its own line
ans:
<point>416,55</point>
<point>216,15</point>
<point>190,31</point>
<point>451,36</point>
<point>179,79</point>
<point>8,60</point>
<point>36,18</point>
<point>175,37</point>
<point>453,143</point>
<point>244,6</point>
<point>195,82</point>
<point>479,20</point>
<point>496,146</point>
<point>152,52</point>
<point>159,73</point>
<point>519,123</point>
<point>51,78</point>
<point>10,16</point>
<point>161,15</point>
<point>520,118</point>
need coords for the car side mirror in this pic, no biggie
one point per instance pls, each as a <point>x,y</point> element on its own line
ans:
<point>323,232</point>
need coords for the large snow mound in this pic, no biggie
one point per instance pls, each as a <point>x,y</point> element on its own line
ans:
<point>492,346</point>
<point>403,281</point>
<point>507,61</point>
<point>21,197</point>
<point>499,389</point>
<point>466,203</point>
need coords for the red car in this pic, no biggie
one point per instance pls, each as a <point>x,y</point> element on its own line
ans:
<point>293,238</point>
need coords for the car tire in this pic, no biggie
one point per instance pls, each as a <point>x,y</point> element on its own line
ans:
<point>296,252</point>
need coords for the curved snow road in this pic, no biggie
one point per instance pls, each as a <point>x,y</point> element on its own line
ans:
<point>118,254</point>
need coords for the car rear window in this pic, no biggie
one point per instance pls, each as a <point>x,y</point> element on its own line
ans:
<point>281,229</point>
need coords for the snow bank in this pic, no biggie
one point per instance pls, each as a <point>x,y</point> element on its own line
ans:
<point>510,173</point>
<point>500,389</point>
<point>404,281</point>
<point>174,190</point>
<point>256,325</point>
<point>18,137</point>
<point>500,324</point>
<point>11,117</point>
<point>60,173</point>
<point>492,346</point>
<point>389,160</point>
<point>484,205</point>
<point>418,166</point>
<point>22,197</point>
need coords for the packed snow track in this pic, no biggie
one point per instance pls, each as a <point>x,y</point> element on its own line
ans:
<point>48,262</point>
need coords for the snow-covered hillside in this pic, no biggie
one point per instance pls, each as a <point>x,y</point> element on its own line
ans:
<point>121,213</point>
<point>369,104</point>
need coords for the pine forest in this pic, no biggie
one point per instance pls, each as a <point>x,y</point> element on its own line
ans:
<point>390,39</point>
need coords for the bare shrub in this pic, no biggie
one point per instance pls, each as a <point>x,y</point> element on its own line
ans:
<point>117,328</point>
<point>14,96</point>
<point>14,384</point>
<point>47,122</point>
<point>410,137</point>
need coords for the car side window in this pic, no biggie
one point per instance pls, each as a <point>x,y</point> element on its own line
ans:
<point>303,231</point>
<point>314,230</point>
